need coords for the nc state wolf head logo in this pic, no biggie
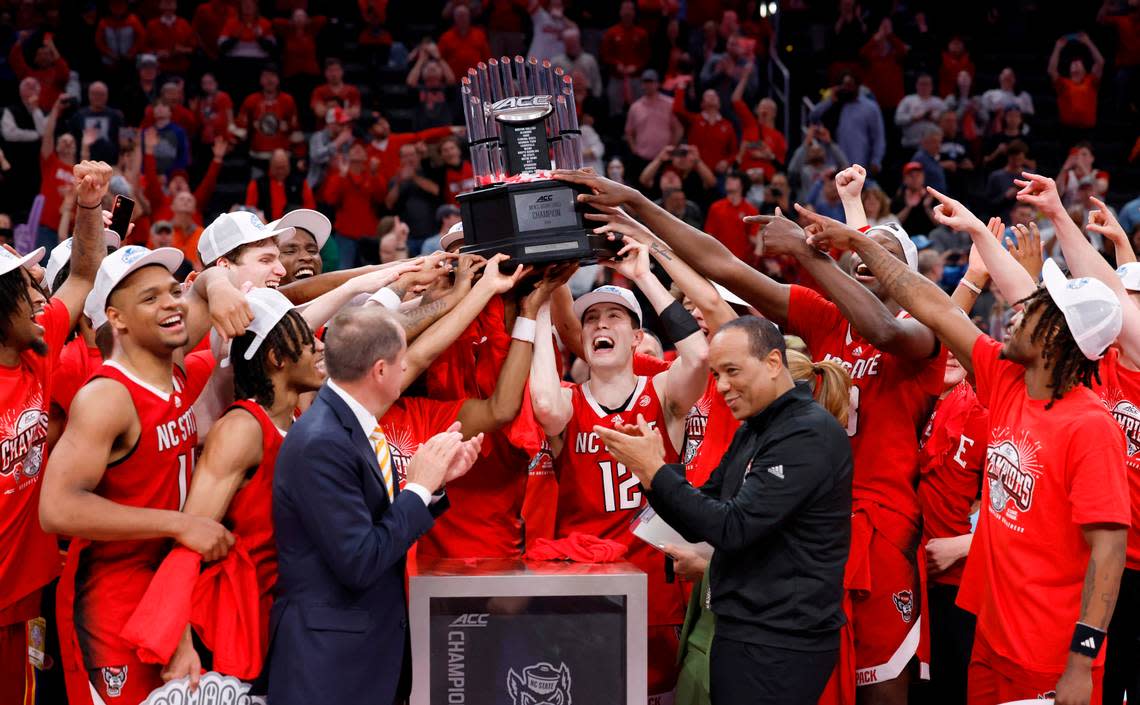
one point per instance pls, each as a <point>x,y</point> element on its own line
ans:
<point>114,677</point>
<point>540,684</point>
<point>904,603</point>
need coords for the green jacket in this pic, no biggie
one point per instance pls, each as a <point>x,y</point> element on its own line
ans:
<point>693,654</point>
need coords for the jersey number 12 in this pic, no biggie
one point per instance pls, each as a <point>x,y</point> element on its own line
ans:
<point>619,487</point>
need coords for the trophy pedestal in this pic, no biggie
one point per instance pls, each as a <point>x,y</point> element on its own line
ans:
<point>532,222</point>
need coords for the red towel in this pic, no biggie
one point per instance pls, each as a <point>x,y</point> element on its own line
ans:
<point>578,547</point>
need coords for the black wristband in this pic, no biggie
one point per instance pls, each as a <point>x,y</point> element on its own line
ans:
<point>1086,640</point>
<point>677,323</point>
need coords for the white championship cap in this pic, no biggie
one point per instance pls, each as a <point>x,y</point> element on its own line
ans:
<point>230,231</point>
<point>1091,309</point>
<point>269,307</point>
<point>10,262</point>
<point>313,221</point>
<point>910,250</point>
<point>62,253</point>
<point>454,234</point>
<point>116,267</point>
<point>608,294</point>
<point>1129,275</point>
<point>729,297</point>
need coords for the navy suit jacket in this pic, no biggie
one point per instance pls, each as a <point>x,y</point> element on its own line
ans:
<point>339,621</point>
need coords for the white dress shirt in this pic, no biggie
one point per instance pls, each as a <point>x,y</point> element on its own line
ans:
<point>368,423</point>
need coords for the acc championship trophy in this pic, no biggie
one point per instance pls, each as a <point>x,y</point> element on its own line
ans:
<point>518,113</point>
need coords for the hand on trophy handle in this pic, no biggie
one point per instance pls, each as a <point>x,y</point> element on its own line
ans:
<point>631,261</point>
<point>605,191</point>
<point>498,282</point>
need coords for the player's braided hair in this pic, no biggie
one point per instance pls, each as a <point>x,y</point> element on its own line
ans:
<point>13,290</point>
<point>1070,366</point>
<point>288,339</point>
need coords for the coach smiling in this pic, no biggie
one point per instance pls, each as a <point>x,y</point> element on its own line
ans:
<point>778,512</point>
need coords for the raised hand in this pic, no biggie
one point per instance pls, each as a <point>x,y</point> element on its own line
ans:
<point>615,220</point>
<point>778,235</point>
<point>953,214</point>
<point>825,233</point>
<point>371,282</point>
<point>1041,193</point>
<point>605,191</point>
<point>850,182</point>
<point>631,261</point>
<point>1026,249</point>
<point>1103,222</point>
<point>498,282</point>
<point>553,277</point>
<point>92,180</point>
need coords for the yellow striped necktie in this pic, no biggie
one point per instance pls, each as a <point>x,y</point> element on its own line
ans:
<point>384,458</point>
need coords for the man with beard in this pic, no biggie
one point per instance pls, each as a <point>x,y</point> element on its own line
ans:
<point>33,331</point>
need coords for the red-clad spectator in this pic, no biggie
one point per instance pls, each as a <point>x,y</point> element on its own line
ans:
<point>955,59</point>
<point>334,93</point>
<point>171,39</point>
<point>119,36</point>
<point>762,146</point>
<point>625,52</point>
<point>353,189</point>
<point>209,19</point>
<point>385,145</point>
<point>281,189</point>
<point>47,67</point>
<point>298,41</point>
<point>1127,59</point>
<point>213,111</point>
<point>463,45</point>
<point>725,221</point>
<point>708,131</point>
<point>268,118</point>
<point>247,35</point>
<point>1077,93</point>
<point>882,61</point>
<point>56,161</point>
<point>458,176</point>
<point>173,96</point>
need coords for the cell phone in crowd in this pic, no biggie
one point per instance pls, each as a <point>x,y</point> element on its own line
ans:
<point>121,214</point>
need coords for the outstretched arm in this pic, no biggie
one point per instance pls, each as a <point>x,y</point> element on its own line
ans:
<point>88,248</point>
<point>915,293</point>
<point>552,404</point>
<point>850,184</point>
<point>1103,222</point>
<point>701,251</point>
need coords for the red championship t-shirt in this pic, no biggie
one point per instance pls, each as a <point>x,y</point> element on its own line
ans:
<point>30,558</point>
<point>891,398</point>
<point>1048,473</point>
<point>952,460</point>
<point>113,575</point>
<point>709,429</point>
<point>76,365</point>
<point>270,121</point>
<point>1120,391</point>
<point>599,496</point>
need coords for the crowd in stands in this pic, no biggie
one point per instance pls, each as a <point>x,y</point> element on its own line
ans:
<point>204,108</point>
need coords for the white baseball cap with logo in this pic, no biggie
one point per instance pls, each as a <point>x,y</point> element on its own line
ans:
<point>62,254</point>
<point>910,250</point>
<point>269,307</point>
<point>119,265</point>
<point>313,221</point>
<point>1091,309</point>
<point>454,234</point>
<point>612,295</point>
<point>1129,274</point>
<point>230,231</point>
<point>10,262</point>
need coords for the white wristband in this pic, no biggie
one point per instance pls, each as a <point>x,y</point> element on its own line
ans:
<point>523,330</point>
<point>386,298</point>
<point>970,285</point>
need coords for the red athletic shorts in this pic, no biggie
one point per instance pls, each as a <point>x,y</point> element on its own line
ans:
<point>993,679</point>
<point>129,683</point>
<point>662,663</point>
<point>17,674</point>
<point>885,613</point>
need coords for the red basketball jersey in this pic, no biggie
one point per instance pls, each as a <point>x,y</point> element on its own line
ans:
<point>599,496</point>
<point>113,575</point>
<point>891,399</point>
<point>709,429</point>
<point>1120,391</point>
